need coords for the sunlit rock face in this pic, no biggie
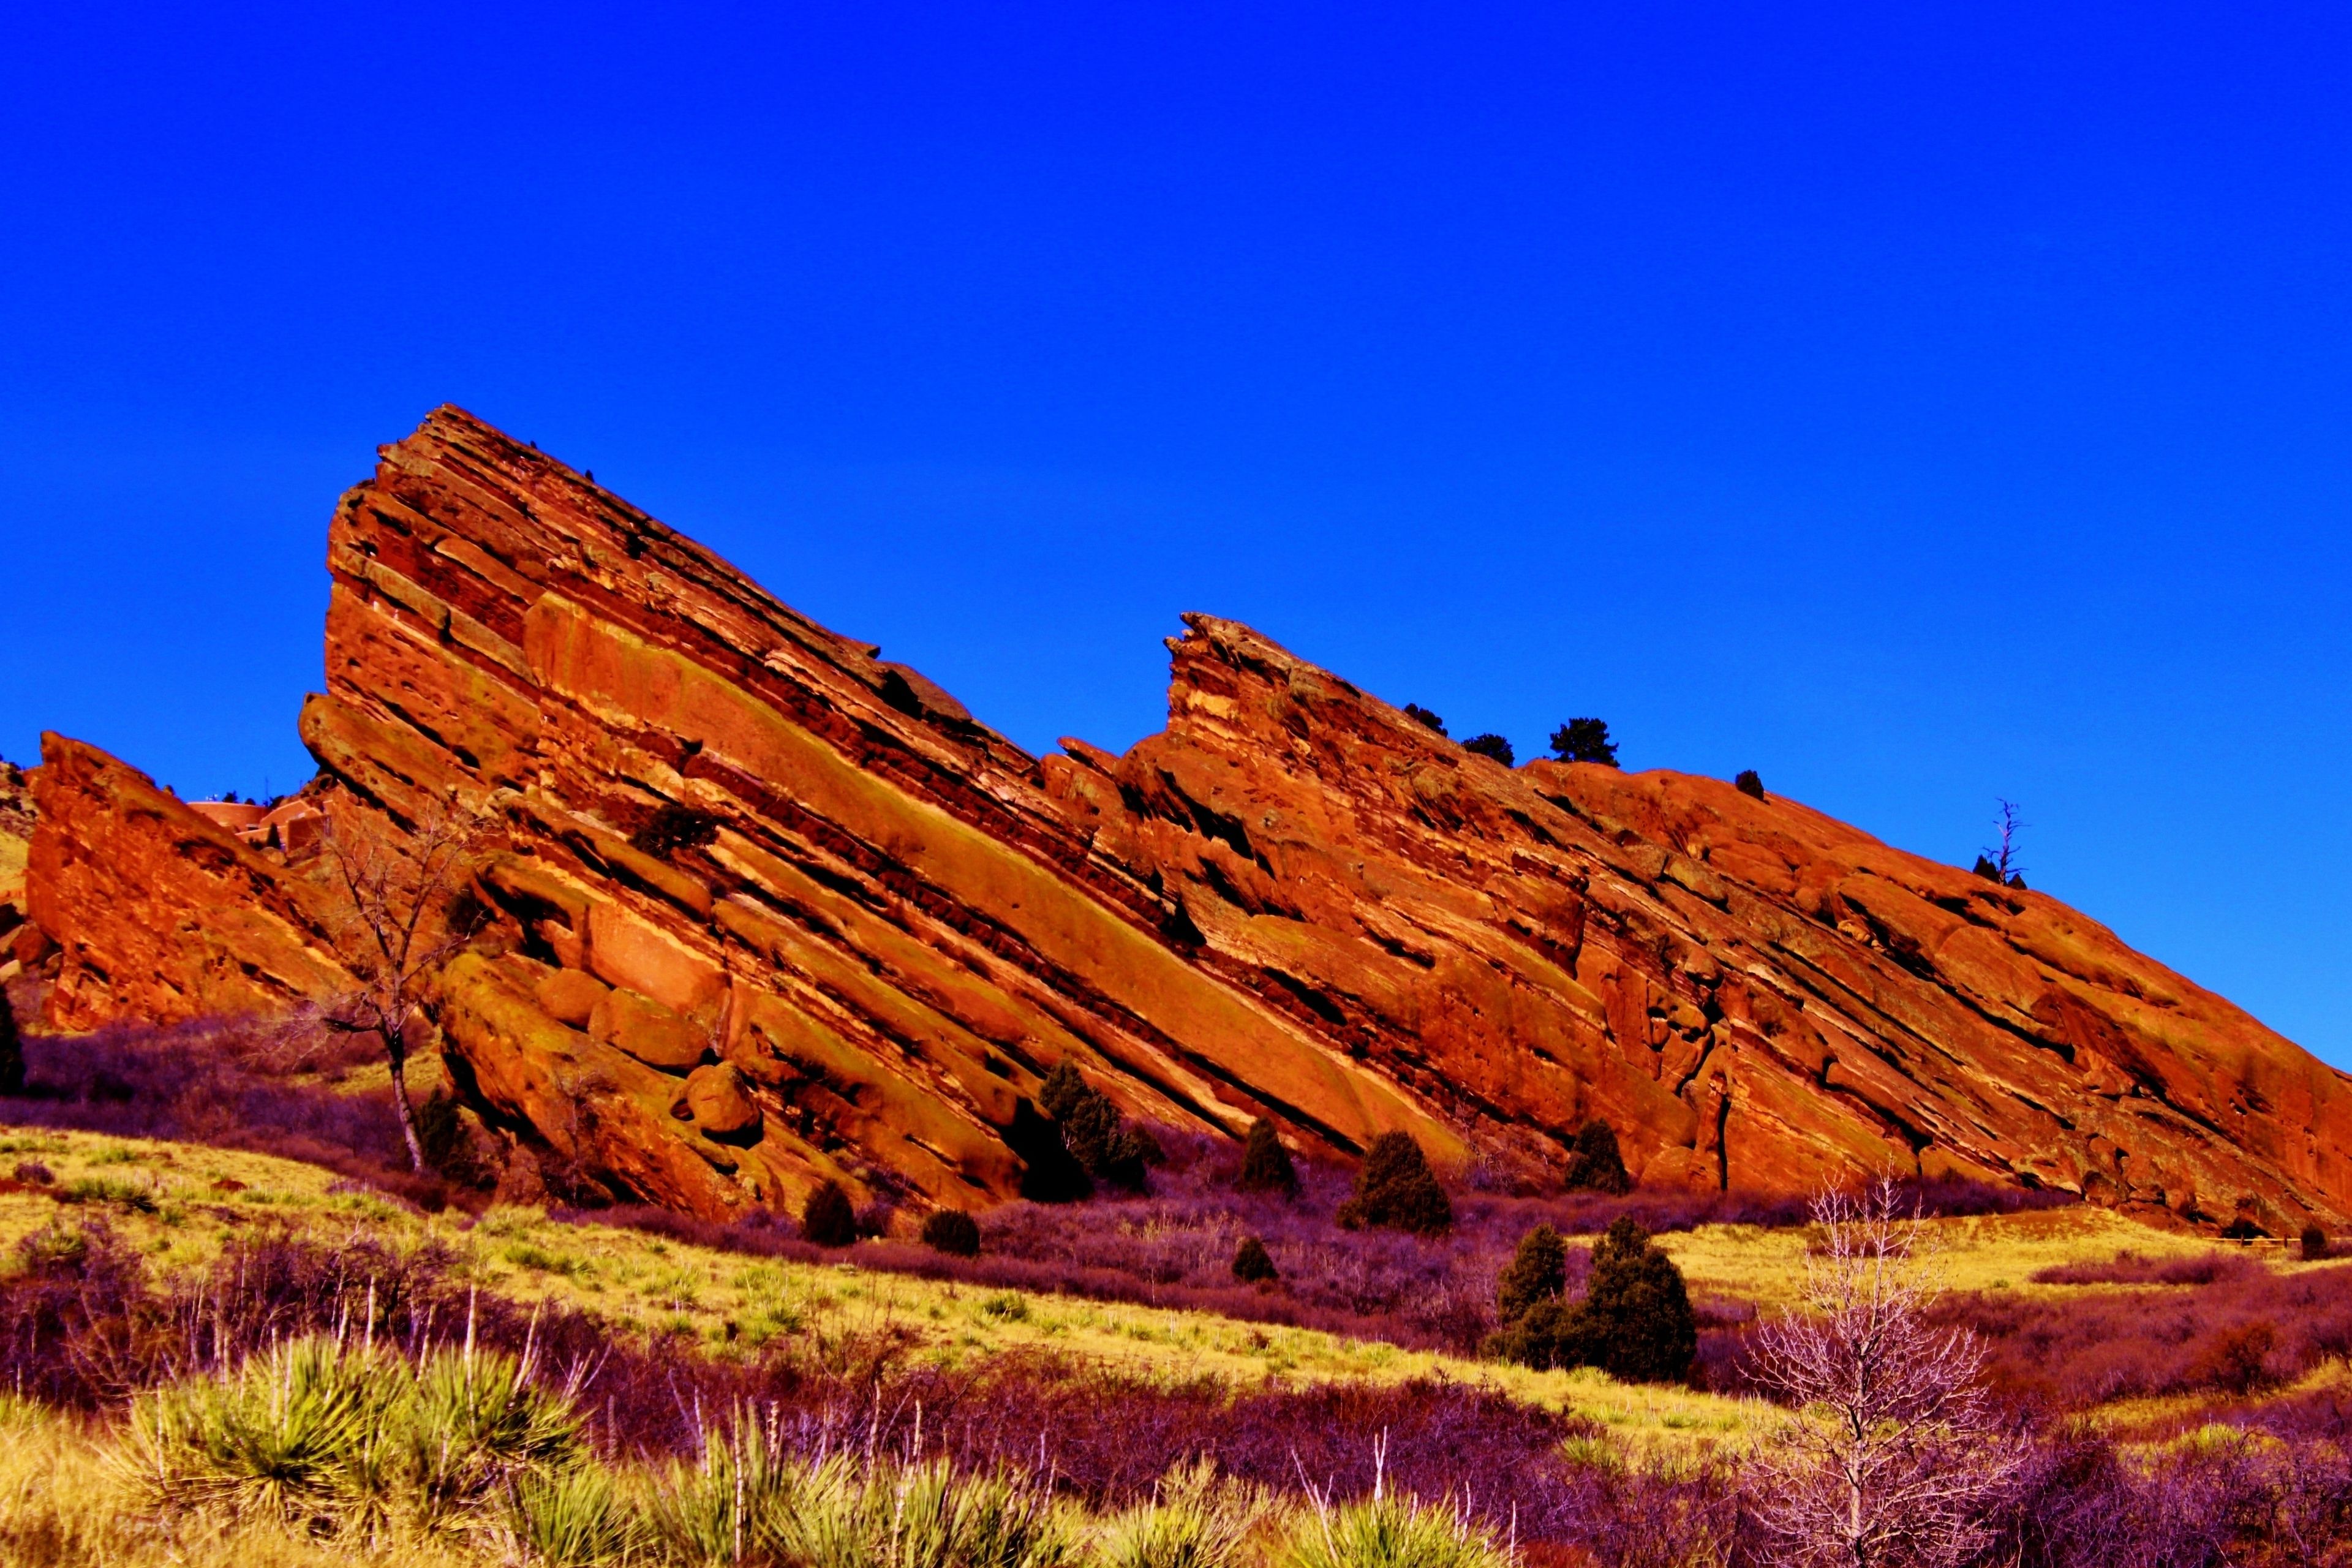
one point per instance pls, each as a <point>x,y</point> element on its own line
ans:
<point>765,909</point>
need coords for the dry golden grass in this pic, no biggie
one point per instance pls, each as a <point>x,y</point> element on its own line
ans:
<point>180,1203</point>
<point>63,1505</point>
<point>733,1303</point>
<point>1995,1252</point>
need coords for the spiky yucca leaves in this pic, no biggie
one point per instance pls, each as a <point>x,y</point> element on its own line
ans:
<point>331,1438</point>
<point>475,1422</point>
<point>576,1517</point>
<point>298,1434</point>
<point>924,1515</point>
<point>1389,1530</point>
<point>748,1503</point>
<point>738,1503</point>
<point>1196,1519</point>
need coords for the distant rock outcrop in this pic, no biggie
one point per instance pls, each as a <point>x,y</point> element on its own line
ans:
<point>769,910</point>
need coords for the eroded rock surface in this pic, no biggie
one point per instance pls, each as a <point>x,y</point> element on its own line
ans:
<point>768,909</point>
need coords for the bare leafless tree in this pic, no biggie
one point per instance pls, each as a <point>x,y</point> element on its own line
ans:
<point>1897,1458</point>
<point>408,912</point>
<point>2003,856</point>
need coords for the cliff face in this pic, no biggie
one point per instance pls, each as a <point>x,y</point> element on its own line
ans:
<point>769,908</point>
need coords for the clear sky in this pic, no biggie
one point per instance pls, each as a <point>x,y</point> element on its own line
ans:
<point>1917,403</point>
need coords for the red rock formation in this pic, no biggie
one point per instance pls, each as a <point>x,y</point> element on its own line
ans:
<point>163,914</point>
<point>772,909</point>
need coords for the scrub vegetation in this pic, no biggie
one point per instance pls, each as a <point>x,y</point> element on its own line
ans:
<point>209,1353</point>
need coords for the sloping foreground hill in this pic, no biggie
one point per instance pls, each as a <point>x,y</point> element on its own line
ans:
<point>770,909</point>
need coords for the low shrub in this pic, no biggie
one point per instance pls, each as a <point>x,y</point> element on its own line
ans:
<point>272,1087</point>
<point>952,1232</point>
<point>1253,1265</point>
<point>2200,1335</point>
<point>2236,1358</point>
<point>2314,1244</point>
<point>1492,745</point>
<point>1750,784</point>
<point>1423,717</point>
<point>827,1218</point>
<point>2129,1267</point>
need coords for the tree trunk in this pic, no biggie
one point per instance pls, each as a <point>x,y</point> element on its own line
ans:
<point>399,1059</point>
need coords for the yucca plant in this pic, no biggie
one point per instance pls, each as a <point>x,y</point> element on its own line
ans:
<point>993,1519</point>
<point>295,1435</point>
<point>738,1503</point>
<point>1390,1529</point>
<point>474,1423</point>
<point>853,1513</point>
<point>575,1517</point>
<point>1196,1519</point>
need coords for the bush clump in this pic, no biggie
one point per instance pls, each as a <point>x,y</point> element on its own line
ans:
<point>952,1232</point>
<point>1748,783</point>
<point>1492,745</point>
<point>2236,1360</point>
<point>827,1218</point>
<point>2314,1244</point>
<point>1634,1322</point>
<point>1584,741</point>
<point>1594,1164</point>
<point>1423,717</point>
<point>1253,1264</point>
<point>1107,1146</point>
<point>1397,1191</point>
<point>1265,1163</point>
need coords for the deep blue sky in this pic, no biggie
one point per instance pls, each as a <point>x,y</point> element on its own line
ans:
<point>1919,405</point>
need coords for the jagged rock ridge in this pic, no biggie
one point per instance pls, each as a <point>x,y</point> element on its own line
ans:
<point>771,909</point>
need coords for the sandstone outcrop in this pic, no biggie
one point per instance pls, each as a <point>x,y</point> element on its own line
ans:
<point>162,912</point>
<point>768,909</point>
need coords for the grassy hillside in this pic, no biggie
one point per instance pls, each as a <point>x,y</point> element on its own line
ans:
<point>180,1203</point>
<point>859,1345</point>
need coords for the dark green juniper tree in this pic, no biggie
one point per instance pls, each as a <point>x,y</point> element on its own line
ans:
<point>1584,741</point>
<point>1537,1272</point>
<point>1396,1190</point>
<point>1594,1164</point>
<point>1253,1265</point>
<point>1634,1322</point>
<point>1107,1145</point>
<point>1265,1163</point>
<point>953,1232</point>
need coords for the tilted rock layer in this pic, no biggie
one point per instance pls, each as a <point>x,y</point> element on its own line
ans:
<point>768,909</point>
